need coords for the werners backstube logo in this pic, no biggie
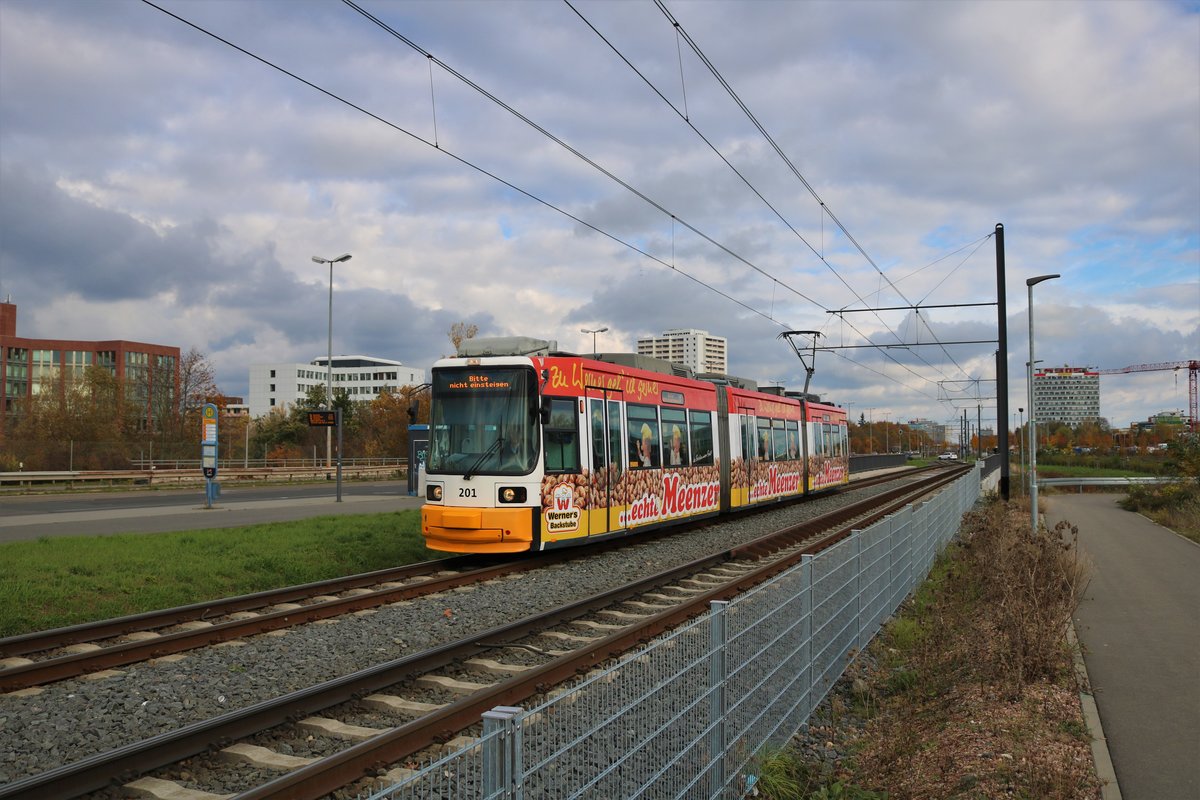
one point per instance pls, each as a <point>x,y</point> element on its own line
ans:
<point>563,516</point>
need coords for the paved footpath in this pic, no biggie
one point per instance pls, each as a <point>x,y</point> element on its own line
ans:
<point>1139,623</point>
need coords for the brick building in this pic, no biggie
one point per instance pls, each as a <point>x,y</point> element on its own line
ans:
<point>29,367</point>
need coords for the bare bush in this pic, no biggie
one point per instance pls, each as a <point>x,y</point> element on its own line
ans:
<point>1029,585</point>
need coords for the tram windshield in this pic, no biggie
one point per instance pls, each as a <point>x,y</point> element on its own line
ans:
<point>483,421</point>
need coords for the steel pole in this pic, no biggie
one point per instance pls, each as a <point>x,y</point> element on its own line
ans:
<point>329,375</point>
<point>1033,503</point>
<point>1002,364</point>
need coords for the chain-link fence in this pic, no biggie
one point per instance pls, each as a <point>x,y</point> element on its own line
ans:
<point>685,716</point>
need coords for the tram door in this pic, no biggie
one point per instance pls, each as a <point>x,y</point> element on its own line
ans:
<point>749,446</point>
<point>608,462</point>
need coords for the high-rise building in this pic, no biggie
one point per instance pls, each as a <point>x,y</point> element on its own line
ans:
<point>938,433</point>
<point>1070,395</point>
<point>363,378</point>
<point>692,348</point>
<point>149,373</point>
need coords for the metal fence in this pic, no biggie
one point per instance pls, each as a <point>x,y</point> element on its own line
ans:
<point>685,716</point>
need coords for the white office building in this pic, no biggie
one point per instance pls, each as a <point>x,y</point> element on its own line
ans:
<point>1067,394</point>
<point>691,348</point>
<point>363,378</point>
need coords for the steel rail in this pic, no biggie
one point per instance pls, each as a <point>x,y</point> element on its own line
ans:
<point>116,655</point>
<point>152,620</point>
<point>98,771</point>
<point>329,774</point>
<point>70,666</point>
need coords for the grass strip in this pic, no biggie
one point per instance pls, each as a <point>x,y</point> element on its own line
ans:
<point>67,580</point>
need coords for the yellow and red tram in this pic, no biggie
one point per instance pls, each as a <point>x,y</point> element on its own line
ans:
<point>532,452</point>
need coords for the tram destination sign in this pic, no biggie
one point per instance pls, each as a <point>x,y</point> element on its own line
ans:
<point>481,380</point>
<point>322,419</point>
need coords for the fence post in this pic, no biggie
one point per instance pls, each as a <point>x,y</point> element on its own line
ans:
<point>806,570</point>
<point>857,536</point>
<point>501,753</point>
<point>718,639</point>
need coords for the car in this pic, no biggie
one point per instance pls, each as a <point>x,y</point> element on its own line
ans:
<point>948,457</point>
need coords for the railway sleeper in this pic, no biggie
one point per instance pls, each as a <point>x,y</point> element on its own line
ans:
<point>453,685</point>
<point>570,637</point>
<point>262,757</point>
<point>489,666</point>
<point>400,705</point>
<point>158,789</point>
<point>339,730</point>
<point>622,616</point>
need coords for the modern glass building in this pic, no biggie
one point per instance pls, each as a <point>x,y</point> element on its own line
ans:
<point>1066,394</point>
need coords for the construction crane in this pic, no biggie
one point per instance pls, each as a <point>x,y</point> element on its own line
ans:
<point>1193,368</point>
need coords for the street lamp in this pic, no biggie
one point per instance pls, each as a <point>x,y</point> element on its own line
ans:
<point>593,333</point>
<point>329,357</point>
<point>1020,445</point>
<point>1033,503</point>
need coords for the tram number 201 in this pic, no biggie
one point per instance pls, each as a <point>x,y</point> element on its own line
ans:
<point>466,492</point>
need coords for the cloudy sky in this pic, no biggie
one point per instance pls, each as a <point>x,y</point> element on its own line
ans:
<point>537,168</point>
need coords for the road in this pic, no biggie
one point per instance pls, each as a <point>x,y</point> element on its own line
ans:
<point>24,517</point>
<point>1138,625</point>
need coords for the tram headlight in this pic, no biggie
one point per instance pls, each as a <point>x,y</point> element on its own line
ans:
<point>433,492</point>
<point>513,494</point>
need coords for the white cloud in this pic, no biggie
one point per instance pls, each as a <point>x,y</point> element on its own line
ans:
<point>920,124</point>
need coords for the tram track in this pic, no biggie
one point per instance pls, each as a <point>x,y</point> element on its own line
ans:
<point>39,658</point>
<point>635,612</point>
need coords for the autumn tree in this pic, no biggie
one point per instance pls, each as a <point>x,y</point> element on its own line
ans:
<point>460,332</point>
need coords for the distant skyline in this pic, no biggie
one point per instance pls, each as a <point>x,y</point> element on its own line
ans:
<point>158,185</point>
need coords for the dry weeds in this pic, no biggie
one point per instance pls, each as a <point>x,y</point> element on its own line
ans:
<point>972,692</point>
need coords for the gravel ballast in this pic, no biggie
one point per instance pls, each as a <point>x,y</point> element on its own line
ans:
<point>73,719</point>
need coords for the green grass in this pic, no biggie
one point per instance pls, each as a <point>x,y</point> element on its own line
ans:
<point>57,581</point>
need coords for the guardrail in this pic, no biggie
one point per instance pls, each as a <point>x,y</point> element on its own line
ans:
<point>1118,481</point>
<point>184,477</point>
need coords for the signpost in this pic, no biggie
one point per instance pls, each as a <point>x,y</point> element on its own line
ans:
<point>330,419</point>
<point>322,419</point>
<point>208,452</point>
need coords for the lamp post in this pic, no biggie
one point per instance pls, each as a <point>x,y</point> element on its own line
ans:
<point>593,333</point>
<point>1033,502</point>
<point>1020,444</point>
<point>329,358</point>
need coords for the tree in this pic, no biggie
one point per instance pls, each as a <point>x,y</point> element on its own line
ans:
<point>197,381</point>
<point>461,331</point>
<point>384,429</point>
<point>278,429</point>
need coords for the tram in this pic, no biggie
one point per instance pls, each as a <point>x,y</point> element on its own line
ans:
<point>532,449</point>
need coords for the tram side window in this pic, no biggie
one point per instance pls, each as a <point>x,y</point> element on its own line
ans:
<point>702,438</point>
<point>817,445</point>
<point>748,447</point>
<point>778,440</point>
<point>562,437</point>
<point>764,439</point>
<point>827,439</point>
<point>675,437</point>
<point>597,425</point>
<point>643,436</point>
<point>793,440</point>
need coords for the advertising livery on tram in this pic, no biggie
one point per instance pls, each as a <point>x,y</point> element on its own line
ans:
<point>532,449</point>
